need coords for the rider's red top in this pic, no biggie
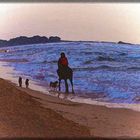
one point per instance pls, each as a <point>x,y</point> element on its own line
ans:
<point>63,61</point>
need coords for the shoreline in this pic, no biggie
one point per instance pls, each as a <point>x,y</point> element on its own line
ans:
<point>7,73</point>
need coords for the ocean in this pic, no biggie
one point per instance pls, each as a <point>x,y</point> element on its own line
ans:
<point>104,72</point>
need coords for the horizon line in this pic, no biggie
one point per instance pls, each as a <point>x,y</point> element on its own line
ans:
<point>65,40</point>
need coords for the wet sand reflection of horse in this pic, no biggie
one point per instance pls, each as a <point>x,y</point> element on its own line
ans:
<point>65,74</point>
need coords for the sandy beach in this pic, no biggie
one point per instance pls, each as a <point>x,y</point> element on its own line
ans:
<point>100,120</point>
<point>29,113</point>
<point>22,116</point>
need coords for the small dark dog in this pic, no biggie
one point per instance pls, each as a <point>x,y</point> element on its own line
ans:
<point>54,85</point>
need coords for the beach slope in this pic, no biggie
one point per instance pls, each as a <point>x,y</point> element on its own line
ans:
<point>22,116</point>
<point>32,114</point>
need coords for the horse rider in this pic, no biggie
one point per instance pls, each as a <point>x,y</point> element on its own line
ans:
<point>64,71</point>
<point>63,62</point>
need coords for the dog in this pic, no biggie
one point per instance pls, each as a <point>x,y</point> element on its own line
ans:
<point>54,85</point>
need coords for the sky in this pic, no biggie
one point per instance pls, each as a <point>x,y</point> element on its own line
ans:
<point>72,21</point>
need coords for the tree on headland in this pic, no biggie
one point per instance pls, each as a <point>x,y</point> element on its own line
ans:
<point>54,39</point>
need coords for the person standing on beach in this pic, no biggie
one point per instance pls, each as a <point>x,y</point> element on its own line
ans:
<point>20,82</point>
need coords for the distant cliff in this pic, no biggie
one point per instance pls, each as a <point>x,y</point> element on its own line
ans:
<point>23,40</point>
<point>121,42</point>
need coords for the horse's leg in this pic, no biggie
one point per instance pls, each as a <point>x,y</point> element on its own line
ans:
<point>59,84</point>
<point>71,81</point>
<point>66,86</point>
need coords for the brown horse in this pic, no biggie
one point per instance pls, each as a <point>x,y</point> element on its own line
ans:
<point>65,74</point>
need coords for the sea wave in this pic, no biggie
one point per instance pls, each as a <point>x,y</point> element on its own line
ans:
<point>109,68</point>
<point>103,67</point>
<point>105,58</point>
